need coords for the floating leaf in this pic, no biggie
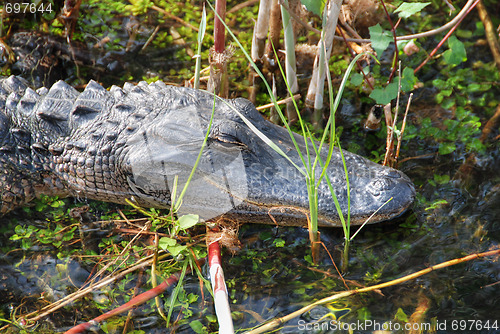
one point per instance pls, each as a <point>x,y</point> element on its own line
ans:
<point>408,9</point>
<point>447,148</point>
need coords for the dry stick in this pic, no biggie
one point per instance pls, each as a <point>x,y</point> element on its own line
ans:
<point>285,100</point>
<point>432,32</point>
<point>400,136</point>
<point>129,245</point>
<point>260,31</point>
<point>134,302</point>
<point>129,325</point>
<point>299,20</point>
<point>154,283</point>
<point>490,32</point>
<point>290,62</point>
<point>70,298</point>
<point>446,37</point>
<point>490,125</point>
<point>259,38</point>
<point>279,321</point>
<point>353,54</point>
<point>316,86</point>
<point>242,5</point>
<point>173,17</point>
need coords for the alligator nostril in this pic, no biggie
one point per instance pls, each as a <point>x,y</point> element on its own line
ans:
<point>380,185</point>
<point>394,174</point>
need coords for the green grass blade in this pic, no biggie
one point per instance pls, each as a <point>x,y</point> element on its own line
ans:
<point>269,90</point>
<point>262,136</point>
<point>177,204</point>
<point>176,291</point>
<point>201,34</point>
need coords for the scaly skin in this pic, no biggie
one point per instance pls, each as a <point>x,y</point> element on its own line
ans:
<point>131,142</point>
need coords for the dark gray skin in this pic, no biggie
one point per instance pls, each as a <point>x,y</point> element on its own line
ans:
<point>130,143</point>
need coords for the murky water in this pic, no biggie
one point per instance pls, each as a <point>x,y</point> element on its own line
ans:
<point>272,276</point>
<point>266,280</point>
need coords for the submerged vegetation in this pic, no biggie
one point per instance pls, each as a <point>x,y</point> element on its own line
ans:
<point>59,246</point>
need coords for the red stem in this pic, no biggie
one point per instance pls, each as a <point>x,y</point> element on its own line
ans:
<point>214,258</point>
<point>219,32</point>
<point>393,29</point>
<point>134,302</point>
<point>445,38</point>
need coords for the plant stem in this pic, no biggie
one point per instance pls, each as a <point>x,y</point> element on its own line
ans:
<point>290,62</point>
<point>221,299</point>
<point>217,82</point>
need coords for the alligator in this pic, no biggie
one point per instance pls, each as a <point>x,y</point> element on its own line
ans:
<point>140,142</point>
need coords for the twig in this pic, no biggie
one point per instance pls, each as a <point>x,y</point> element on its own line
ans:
<point>173,17</point>
<point>70,298</point>
<point>285,100</point>
<point>279,321</point>
<point>393,30</point>
<point>432,32</point>
<point>490,32</point>
<point>400,135</point>
<point>134,302</point>
<point>447,35</point>
<point>242,5</point>
<point>490,125</point>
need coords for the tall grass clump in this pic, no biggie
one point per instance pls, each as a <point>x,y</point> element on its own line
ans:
<point>310,159</point>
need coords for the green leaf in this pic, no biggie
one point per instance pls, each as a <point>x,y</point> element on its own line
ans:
<point>175,250</point>
<point>385,95</point>
<point>447,148</point>
<point>315,6</point>
<point>456,53</point>
<point>197,326</point>
<point>380,38</point>
<point>401,315</point>
<point>408,9</point>
<point>408,80</point>
<point>188,221</point>
<point>166,242</point>
<point>279,242</point>
<point>441,179</point>
<point>356,79</point>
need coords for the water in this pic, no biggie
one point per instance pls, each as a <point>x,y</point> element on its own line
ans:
<point>271,275</point>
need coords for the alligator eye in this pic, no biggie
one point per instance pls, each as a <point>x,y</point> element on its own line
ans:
<point>228,140</point>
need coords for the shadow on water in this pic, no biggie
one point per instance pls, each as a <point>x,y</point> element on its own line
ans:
<point>272,275</point>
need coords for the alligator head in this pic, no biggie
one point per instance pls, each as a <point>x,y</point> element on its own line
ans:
<point>142,142</point>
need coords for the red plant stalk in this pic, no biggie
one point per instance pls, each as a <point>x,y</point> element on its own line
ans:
<point>134,302</point>
<point>217,82</point>
<point>219,30</point>
<point>221,299</point>
<point>445,38</point>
